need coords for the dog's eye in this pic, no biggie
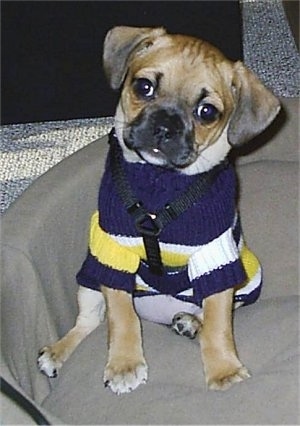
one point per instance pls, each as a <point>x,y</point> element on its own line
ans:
<point>206,113</point>
<point>144,88</point>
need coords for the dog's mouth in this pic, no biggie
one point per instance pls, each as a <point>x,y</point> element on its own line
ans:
<point>157,157</point>
<point>153,156</point>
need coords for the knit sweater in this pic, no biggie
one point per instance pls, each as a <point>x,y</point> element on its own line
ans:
<point>203,250</point>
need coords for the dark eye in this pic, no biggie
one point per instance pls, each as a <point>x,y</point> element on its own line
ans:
<point>144,88</point>
<point>206,113</point>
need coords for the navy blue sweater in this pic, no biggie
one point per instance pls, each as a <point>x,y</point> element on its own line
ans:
<point>203,249</point>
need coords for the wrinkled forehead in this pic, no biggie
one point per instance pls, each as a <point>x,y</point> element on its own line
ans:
<point>183,65</point>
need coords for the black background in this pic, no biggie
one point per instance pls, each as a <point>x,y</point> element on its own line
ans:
<point>51,50</point>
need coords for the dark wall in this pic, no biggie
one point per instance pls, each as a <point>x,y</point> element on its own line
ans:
<point>51,50</point>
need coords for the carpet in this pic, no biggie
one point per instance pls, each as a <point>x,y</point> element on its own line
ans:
<point>29,150</point>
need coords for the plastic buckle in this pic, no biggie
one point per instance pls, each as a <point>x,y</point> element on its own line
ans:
<point>148,225</point>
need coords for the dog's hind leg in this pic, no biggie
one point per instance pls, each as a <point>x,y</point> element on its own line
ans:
<point>186,324</point>
<point>91,305</point>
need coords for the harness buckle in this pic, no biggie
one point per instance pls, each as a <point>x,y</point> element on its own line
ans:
<point>148,224</point>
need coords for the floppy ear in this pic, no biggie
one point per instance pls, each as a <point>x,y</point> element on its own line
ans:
<point>256,107</point>
<point>119,44</point>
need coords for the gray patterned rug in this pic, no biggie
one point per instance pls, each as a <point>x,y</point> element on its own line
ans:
<point>29,150</point>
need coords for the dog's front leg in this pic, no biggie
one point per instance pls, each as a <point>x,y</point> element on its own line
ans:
<point>222,367</point>
<point>126,367</point>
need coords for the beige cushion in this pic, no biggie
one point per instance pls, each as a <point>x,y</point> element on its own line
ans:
<point>44,242</point>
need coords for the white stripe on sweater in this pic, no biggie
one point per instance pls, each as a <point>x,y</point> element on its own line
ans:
<point>168,247</point>
<point>213,255</point>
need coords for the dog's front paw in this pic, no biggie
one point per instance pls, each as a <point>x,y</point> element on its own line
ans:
<point>224,381</point>
<point>48,362</point>
<point>123,377</point>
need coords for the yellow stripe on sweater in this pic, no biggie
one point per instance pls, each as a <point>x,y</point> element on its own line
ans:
<point>250,263</point>
<point>108,251</point>
<point>123,258</point>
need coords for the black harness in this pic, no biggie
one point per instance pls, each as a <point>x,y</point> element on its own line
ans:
<point>149,225</point>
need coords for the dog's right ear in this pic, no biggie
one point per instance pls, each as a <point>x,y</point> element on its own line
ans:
<point>119,45</point>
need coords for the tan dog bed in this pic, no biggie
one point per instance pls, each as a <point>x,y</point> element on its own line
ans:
<point>44,242</point>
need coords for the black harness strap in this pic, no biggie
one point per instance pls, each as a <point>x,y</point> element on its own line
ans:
<point>149,225</point>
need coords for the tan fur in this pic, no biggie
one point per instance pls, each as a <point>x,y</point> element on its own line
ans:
<point>125,354</point>
<point>180,73</point>
<point>186,66</point>
<point>221,364</point>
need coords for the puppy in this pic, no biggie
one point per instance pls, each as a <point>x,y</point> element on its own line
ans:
<point>166,251</point>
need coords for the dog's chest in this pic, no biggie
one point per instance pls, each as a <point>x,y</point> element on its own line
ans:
<point>155,187</point>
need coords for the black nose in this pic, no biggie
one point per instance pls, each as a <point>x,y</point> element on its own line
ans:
<point>166,125</point>
<point>162,132</point>
<point>180,326</point>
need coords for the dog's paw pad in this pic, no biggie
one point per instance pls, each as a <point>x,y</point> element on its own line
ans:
<point>47,363</point>
<point>186,324</point>
<point>127,380</point>
<point>225,382</point>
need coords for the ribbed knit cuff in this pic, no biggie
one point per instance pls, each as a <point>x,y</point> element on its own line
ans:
<point>93,274</point>
<point>221,279</point>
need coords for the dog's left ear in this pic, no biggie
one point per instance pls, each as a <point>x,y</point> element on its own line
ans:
<point>255,106</point>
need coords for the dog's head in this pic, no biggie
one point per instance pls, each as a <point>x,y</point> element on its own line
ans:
<point>183,103</point>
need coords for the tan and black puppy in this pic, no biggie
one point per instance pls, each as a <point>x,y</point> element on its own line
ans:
<point>171,250</point>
